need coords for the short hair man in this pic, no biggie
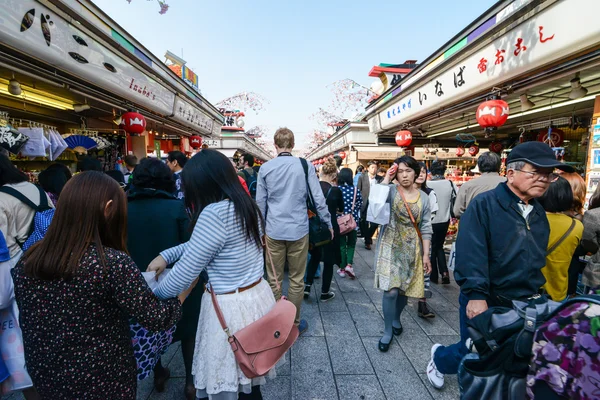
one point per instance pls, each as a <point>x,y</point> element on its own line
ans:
<point>501,247</point>
<point>130,162</point>
<point>489,166</point>
<point>247,173</point>
<point>281,197</point>
<point>88,163</point>
<point>176,160</point>
<point>365,182</point>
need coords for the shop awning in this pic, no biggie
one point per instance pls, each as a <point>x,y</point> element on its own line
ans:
<point>379,152</point>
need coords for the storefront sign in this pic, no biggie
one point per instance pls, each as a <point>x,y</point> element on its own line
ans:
<point>216,129</point>
<point>543,39</point>
<point>187,114</point>
<point>33,29</point>
<point>212,143</point>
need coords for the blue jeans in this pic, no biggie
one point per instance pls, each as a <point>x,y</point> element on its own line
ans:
<point>448,358</point>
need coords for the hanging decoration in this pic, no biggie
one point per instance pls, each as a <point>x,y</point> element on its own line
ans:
<point>349,97</point>
<point>496,147</point>
<point>460,151</point>
<point>133,122</point>
<point>80,143</point>
<point>403,138</point>
<point>473,150</point>
<point>342,155</point>
<point>492,114</point>
<point>552,137</point>
<point>244,101</point>
<point>10,138</point>
<point>324,118</point>
<point>195,142</point>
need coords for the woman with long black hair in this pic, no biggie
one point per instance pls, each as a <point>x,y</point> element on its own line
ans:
<point>226,242</point>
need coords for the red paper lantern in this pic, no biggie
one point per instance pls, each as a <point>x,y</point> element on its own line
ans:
<point>496,147</point>
<point>195,142</point>
<point>403,138</point>
<point>133,122</point>
<point>555,138</point>
<point>342,154</point>
<point>492,113</point>
<point>473,150</point>
<point>460,151</point>
<point>322,161</point>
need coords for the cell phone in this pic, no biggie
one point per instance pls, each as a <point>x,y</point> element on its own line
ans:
<point>393,169</point>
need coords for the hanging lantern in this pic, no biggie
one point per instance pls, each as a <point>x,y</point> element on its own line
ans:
<point>492,113</point>
<point>342,155</point>
<point>460,151</point>
<point>196,142</point>
<point>551,136</point>
<point>133,122</point>
<point>403,138</point>
<point>496,147</point>
<point>473,150</point>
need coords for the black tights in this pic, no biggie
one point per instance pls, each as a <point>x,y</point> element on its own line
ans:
<point>255,395</point>
<point>316,254</point>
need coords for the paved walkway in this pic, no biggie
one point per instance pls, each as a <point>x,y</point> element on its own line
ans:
<point>337,358</point>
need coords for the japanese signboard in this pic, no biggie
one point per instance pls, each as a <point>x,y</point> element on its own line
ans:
<point>191,116</point>
<point>542,39</point>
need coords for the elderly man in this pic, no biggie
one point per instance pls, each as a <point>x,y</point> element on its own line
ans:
<point>501,247</point>
<point>489,166</point>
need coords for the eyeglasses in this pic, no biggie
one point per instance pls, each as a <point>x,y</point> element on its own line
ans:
<point>538,176</point>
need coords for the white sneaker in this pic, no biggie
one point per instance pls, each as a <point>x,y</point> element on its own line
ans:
<point>350,272</point>
<point>341,273</point>
<point>433,375</point>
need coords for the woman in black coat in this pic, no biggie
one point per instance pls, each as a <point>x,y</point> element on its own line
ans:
<point>157,221</point>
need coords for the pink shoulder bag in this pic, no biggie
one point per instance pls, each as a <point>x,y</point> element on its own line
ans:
<point>259,346</point>
<point>346,222</point>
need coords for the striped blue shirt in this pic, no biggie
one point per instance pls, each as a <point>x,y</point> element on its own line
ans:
<point>219,245</point>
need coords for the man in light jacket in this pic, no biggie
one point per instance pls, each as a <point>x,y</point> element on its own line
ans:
<point>366,180</point>
<point>281,196</point>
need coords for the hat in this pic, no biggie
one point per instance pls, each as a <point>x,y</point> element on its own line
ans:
<point>537,154</point>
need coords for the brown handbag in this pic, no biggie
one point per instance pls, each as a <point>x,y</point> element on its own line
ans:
<point>259,346</point>
<point>346,222</point>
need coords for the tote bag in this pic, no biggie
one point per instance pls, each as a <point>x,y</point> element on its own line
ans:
<point>13,352</point>
<point>378,211</point>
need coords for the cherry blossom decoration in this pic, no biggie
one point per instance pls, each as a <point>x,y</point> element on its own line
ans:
<point>164,7</point>
<point>244,101</point>
<point>349,97</point>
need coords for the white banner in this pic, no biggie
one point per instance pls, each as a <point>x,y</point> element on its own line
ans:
<point>542,39</point>
<point>187,114</point>
<point>33,29</point>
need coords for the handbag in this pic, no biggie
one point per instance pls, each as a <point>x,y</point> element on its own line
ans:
<point>378,211</point>
<point>318,231</point>
<point>259,346</point>
<point>346,222</point>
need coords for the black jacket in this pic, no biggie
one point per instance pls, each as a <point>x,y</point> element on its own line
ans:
<point>499,255</point>
<point>156,221</point>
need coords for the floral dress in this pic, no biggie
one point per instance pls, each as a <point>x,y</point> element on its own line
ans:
<point>76,332</point>
<point>399,258</point>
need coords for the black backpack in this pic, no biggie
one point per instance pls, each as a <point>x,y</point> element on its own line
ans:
<point>251,182</point>
<point>43,206</point>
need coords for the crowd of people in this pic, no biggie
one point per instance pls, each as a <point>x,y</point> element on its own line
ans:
<point>73,249</point>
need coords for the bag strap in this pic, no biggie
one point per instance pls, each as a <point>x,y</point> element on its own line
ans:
<point>562,238</point>
<point>309,198</point>
<point>410,214</point>
<point>214,296</point>
<point>354,200</point>
<point>453,189</point>
<point>21,197</point>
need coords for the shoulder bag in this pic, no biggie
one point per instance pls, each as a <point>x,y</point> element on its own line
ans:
<point>318,230</point>
<point>346,222</point>
<point>412,218</point>
<point>259,346</point>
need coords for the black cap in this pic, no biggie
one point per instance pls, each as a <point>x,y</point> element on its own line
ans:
<point>537,154</point>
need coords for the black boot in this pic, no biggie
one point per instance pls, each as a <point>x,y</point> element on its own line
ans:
<point>424,311</point>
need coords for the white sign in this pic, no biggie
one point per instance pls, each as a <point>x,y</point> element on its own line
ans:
<point>212,143</point>
<point>536,42</point>
<point>189,115</point>
<point>31,28</point>
<point>216,129</point>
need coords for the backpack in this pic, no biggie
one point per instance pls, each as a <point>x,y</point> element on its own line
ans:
<point>251,182</point>
<point>566,351</point>
<point>42,209</point>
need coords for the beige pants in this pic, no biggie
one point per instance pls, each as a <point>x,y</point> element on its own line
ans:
<point>296,254</point>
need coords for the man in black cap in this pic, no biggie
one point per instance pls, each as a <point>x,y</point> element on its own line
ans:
<point>501,246</point>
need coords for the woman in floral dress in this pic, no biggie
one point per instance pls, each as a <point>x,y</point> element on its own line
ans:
<point>401,256</point>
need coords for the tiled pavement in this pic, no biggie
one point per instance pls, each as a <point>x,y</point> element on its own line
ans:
<point>337,358</point>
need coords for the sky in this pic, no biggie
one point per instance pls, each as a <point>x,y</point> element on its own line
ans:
<point>290,51</point>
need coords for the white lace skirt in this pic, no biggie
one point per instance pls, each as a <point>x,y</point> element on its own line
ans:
<point>215,369</point>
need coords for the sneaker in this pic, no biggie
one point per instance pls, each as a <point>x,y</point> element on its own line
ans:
<point>435,377</point>
<point>303,326</point>
<point>424,311</point>
<point>445,280</point>
<point>341,273</point>
<point>306,291</point>
<point>368,246</point>
<point>470,345</point>
<point>327,296</point>
<point>350,271</point>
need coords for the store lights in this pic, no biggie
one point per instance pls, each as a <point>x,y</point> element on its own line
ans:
<point>526,104</point>
<point>35,96</point>
<point>522,114</point>
<point>14,87</point>
<point>577,91</point>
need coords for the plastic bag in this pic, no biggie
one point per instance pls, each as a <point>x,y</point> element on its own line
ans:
<point>13,353</point>
<point>379,209</point>
<point>452,257</point>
